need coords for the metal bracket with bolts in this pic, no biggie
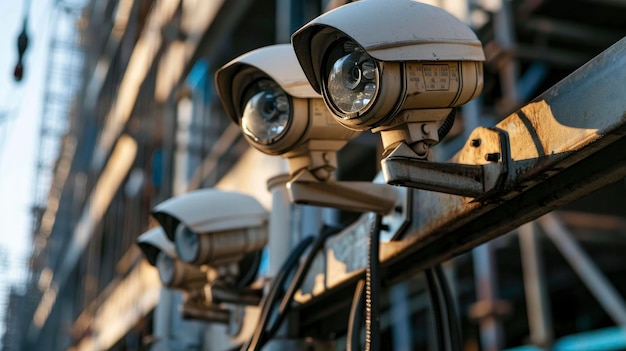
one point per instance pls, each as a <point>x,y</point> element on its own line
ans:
<point>478,168</point>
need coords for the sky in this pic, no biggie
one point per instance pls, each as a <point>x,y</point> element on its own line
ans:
<point>20,110</point>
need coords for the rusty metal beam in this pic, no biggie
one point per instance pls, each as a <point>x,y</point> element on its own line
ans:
<point>566,143</point>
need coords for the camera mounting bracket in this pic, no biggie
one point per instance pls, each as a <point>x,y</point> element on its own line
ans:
<point>479,167</point>
<point>305,188</point>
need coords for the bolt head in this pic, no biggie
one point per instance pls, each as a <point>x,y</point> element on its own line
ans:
<point>493,157</point>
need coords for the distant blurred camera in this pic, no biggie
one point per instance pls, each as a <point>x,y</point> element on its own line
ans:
<point>213,227</point>
<point>160,252</point>
<point>268,96</point>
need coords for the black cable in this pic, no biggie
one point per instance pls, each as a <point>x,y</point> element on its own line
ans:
<point>252,262</point>
<point>435,301</point>
<point>367,297</point>
<point>296,282</point>
<point>353,339</point>
<point>372,289</point>
<point>447,328</point>
<point>447,124</point>
<point>455,334</point>
<point>263,332</point>
<point>273,294</point>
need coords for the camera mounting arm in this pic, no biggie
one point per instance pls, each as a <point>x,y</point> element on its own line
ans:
<point>305,188</point>
<point>418,129</point>
<point>481,166</point>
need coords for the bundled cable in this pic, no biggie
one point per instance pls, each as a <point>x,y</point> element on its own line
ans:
<point>447,124</point>
<point>270,322</point>
<point>447,329</point>
<point>437,308</point>
<point>455,336</point>
<point>367,298</point>
<point>276,288</point>
<point>353,340</point>
<point>372,289</point>
<point>447,326</point>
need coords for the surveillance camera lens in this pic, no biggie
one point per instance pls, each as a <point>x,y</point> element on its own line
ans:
<point>165,266</point>
<point>352,81</point>
<point>266,113</point>
<point>187,245</point>
<point>353,77</point>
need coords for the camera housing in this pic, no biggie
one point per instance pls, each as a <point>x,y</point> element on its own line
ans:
<point>266,93</point>
<point>424,59</point>
<point>159,251</point>
<point>405,81</point>
<point>372,79</point>
<point>268,96</point>
<point>213,227</point>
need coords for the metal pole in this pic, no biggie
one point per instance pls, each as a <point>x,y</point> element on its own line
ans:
<point>491,337</point>
<point>588,272</point>
<point>162,322</point>
<point>537,298</point>
<point>505,38</point>
<point>279,223</point>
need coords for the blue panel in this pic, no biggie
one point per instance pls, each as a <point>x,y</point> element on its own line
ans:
<point>197,76</point>
<point>598,340</point>
<point>609,339</point>
<point>157,168</point>
<point>528,83</point>
<point>264,266</point>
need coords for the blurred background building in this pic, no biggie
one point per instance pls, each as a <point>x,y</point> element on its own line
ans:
<point>131,118</point>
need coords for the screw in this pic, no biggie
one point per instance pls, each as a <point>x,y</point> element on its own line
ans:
<point>425,129</point>
<point>493,157</point>
<point>475,142</point>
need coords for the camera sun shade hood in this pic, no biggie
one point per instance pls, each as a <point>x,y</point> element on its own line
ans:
<point>389,30</point>
<point>154,241</point>
<point>210,211</point>
<point>278,62</point>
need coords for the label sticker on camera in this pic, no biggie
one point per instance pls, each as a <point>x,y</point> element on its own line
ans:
<point>436,77</point>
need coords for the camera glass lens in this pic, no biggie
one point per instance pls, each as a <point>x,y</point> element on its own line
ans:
<point>165,265</point>
<point>187,244</point>
<point>266,112</point>
<point>353,81</point>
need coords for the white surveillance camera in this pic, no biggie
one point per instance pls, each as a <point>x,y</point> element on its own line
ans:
<point>160,252</point>
<point>383,64</point>
<point>213,227</point>
<point>400,68</point>
<point>266,93</point>
<point>175,273</point>
<point>153,242</point>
